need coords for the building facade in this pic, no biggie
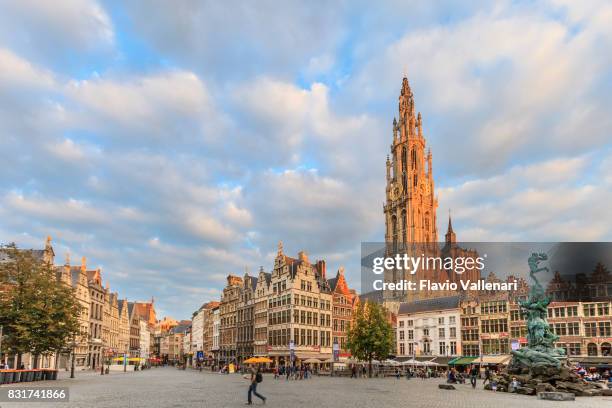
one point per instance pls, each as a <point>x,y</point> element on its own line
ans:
<point>245,318</point>
<point>344,301</point>
<point>299,310</point>
<point>227,313</point>
<point>96,318</point>
<point>429,327</point>
<point>260,314</point>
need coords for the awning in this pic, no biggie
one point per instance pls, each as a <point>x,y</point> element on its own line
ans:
<point>443,360</point>
<point>499,359</point>
<point>462,360</point>
<point>592,360</point>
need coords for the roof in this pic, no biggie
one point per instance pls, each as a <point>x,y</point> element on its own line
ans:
<point>181,328</point>
<point>267,277</point>
<point>373,296</point>
<point>120,306</point>
<point>430,305</point>
<point>75,271</point>
<point>332,283</point>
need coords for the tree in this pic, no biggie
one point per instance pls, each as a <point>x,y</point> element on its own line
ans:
<point>370,335</point>
<point>39,314</point>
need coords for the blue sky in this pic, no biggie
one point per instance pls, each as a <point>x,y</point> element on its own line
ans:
<point>172,143</point>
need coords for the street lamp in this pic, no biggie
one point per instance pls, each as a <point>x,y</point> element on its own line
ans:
<point>1,335</point>
<point>73,344</point>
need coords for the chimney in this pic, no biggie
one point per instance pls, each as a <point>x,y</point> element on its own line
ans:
<point>321,269</point>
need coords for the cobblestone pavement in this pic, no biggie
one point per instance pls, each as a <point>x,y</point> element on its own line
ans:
<point>169,387</point>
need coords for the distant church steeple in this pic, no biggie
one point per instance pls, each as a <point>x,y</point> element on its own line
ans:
<point>450,236</point>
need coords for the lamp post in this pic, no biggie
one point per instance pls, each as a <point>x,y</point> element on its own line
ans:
<point>73,344</point>
<point>101,360</point>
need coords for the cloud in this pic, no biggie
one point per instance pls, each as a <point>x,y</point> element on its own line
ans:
<point>57,29</point>
<point>162,108</point>
<point>236,39</point>
<point>521,83</point>
<point>173,144</point>
<point>553,200</point>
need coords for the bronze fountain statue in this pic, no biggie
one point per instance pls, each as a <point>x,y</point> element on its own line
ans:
<point>540,350</point>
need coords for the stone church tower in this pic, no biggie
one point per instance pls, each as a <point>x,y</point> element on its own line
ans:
<point>410,208</point>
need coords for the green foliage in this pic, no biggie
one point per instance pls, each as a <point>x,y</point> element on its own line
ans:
<point>370,335</point>
<point>39,314</point>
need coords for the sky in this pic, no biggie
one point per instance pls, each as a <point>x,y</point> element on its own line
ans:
<point>172,143</point>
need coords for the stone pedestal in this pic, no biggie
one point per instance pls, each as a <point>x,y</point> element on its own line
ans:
<point>556,396</point>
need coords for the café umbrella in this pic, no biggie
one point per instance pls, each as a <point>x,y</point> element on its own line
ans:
<point>257,360</point>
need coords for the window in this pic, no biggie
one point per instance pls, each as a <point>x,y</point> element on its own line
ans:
<point>401,335</point>
<point>603,309</point>
<point>589,309</point>
<point>573,329</point>
<point>410,323</point>
<point>401,323</point>
<point>453,348</point>
<point>410,334</point>
<point>411,348</point>
<point>442,348</point>
<point>453,332</point>
<point>604,329</point>
<point>471,350</point>
<point>573,349</point>
<point>402,349</point>
<point>560,329</point>
<point>451,320</point>
<point>426,347</point>
<point>469,335</point>
<point>440,320</point>
<point>425,332</point>
<point>572,311</point>
<point>590,330</point>
<point>441,333</point>
<point>495,346</point>
<point>559,312</point>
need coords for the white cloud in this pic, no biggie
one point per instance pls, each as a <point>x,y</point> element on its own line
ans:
<point>20,73</point>
<point>48,29</point>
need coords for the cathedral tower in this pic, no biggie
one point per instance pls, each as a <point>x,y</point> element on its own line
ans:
<point>410,208</point>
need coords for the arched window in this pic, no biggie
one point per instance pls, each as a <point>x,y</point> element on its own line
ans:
<point>404,159</point>
<point>606,349</point>
<point>592,349</point>
<point>394,229</point>
<point>413,158</point>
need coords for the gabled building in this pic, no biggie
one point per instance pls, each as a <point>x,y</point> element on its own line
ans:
<point>78,279</point>
<point>344,301</point>
<point>260,313</point>
<point>245,318</point>
<point>97,294</point>
<point>227,313</point>
<point>299,310</point>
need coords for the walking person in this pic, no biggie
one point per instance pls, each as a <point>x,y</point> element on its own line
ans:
<point>473,376</point>
<point>256,378</point>
<point>487,376</point>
